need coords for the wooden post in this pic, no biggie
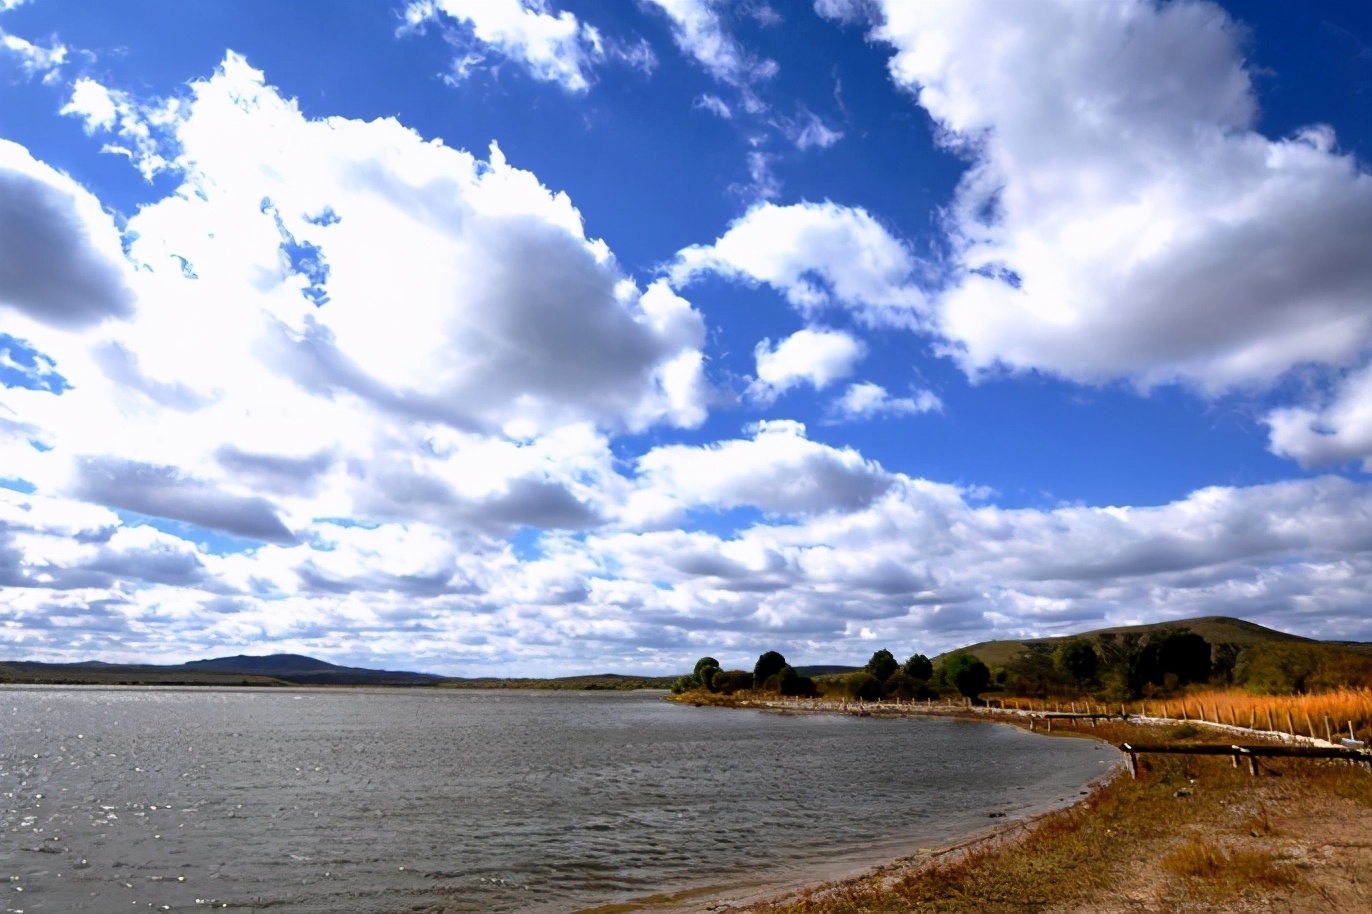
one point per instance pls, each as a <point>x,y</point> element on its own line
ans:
<point>1290,724</point>
<point>1269,720</point>
<point>1308,725</point>
<point>1049,721</point>
<point>1253,719</point>
<point>1351,735</point>
<point>1253,765</point>
<point>1328,729</point>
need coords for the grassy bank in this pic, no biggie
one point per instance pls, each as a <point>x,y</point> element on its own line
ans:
<point>1191,834</point>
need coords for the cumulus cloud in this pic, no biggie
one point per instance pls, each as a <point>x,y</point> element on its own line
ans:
<point>818,255</point>
<point>551,47</point>
<point>866,400</point>
<point>1121,216</point>
<point>1337,431</point>
<point>779,470</point>
<point>814,356</point>
<point>60,257</point>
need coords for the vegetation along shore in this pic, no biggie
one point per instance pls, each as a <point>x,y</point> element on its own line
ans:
<point>1192,832</point>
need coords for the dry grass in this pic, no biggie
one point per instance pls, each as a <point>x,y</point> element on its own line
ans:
<point>1191,833</point>
<point>1305,715</point>
<point>1302,714</point>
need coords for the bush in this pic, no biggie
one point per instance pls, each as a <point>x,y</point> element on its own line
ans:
<point>727,682</point>
<point>863,686</point>
<point>794,685</point>
<point>904,688</point>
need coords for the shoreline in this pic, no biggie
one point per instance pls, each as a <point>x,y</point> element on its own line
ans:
<point>896,855</point>
<point>1244,868</point>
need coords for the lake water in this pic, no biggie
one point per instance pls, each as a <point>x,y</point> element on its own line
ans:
<point>371,801</point>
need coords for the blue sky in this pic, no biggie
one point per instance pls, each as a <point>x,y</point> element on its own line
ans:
<point>538,336</point>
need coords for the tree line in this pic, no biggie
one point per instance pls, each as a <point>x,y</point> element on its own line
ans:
<point>1112,667</point>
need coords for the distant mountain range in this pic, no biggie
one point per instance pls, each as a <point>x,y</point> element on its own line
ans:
<point>274,669</point>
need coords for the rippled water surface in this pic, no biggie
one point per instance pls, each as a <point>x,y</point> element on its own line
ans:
<point>406,800</point>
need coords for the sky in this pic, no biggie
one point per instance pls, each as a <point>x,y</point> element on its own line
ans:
<point>540,337</point>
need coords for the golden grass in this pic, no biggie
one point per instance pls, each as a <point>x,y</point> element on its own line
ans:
<point>1201,858</point>
<point>1318,715</point>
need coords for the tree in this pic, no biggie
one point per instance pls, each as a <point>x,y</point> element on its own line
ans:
<point>882,665</point>
<point>706,668</point>
<point>968,674</point>
<point>768,665</point>
<point>1183,654</point>
<point>1077,658</point>
<point>919,667</point>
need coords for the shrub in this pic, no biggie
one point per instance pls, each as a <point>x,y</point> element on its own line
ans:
<point>863,686</point>
<point>904,687</point>
<point>792,684</point>
<point>727,682</point>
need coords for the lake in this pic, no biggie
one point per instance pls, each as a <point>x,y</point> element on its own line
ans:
<point>386,800</point>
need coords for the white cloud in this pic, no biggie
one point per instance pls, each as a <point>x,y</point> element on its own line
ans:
<point>715,105</point>
<point>818,255</point>
<point>146,132</point>
<point>814,356</point>
<point>701,34</point>
<point>866,400</point>
<point>552,47</point>
<point>1122,217</point>
<point>807,131</point>
<point>466,323</point>
<point>779,470</point>
<point>35,59</point>
<point>1337,431</point>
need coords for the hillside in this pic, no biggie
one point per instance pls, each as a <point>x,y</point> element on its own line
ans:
<point>1215,629</point>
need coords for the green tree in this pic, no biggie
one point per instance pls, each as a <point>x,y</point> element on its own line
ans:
<point>706,668</point>
<point>882,665</point>
<point>1078,659</point>
<point>768,665</point>
<point>968,674</point>
<point>919,667</point>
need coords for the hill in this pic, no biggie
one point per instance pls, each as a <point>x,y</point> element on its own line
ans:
<point>614,682</point>
<point>272,670</point>
<point>1215,629</point>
